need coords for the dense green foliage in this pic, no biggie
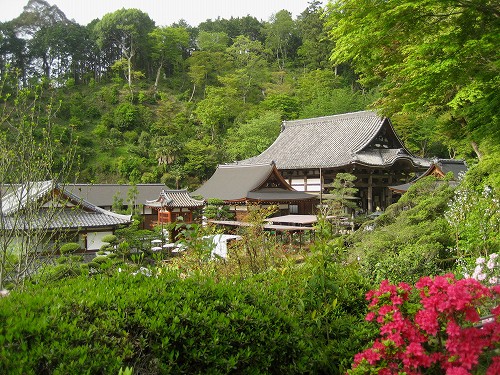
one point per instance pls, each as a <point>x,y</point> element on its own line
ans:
<point>436,57</point>
<point>412,238</point>
<point>165,325</point>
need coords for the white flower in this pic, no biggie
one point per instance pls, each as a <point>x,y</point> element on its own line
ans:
<point>481,276</point>
<point>493,280</point>
<point>490,264</point>
<point>493,256</point>
<point>480,260</point>
<point>477,271</point>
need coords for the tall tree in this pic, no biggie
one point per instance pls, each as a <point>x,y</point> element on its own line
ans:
<point>12,48</point>
<point>126,31</point>
<point>282,37</point>
<point>248,26</point>
<point>316,47</point>
<point>60,47</point>
<point>254,136</point>
<point>250,71</point>
<point>435,56</point>
<point>169,44</point>
<point>209,61</point>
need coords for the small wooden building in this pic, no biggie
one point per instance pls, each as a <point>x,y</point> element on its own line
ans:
<point>173,206</point>
<point>310,152</point>
<point>241,186</point>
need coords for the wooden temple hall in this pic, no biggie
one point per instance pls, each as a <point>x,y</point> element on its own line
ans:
<point>175,205</point>
<point>310,152</point>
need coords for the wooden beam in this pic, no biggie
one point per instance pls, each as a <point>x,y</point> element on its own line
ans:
<point>370,194</point>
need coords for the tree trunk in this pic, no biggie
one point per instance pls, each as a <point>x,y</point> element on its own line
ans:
<point>476,150</point>
<point>158,72</point>
<point>192,93</point>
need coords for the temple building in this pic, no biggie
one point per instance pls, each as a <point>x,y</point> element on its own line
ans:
<point>241,186</point>
<point>174,205</point>
<point>439,168</point>
<point>52,215</point>
<point>310,152</point>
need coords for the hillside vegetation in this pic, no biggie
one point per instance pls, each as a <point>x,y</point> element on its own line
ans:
<point>151,103</point>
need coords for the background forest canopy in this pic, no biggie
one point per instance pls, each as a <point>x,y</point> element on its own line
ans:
<point>152,103</point>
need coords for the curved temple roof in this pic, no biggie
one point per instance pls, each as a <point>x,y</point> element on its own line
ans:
<point>334,141</point>
<point>71,211</point>
<point>234,182</point>
<point>173,199</point>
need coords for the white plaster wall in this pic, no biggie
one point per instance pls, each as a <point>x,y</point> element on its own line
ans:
<point>94,239</point>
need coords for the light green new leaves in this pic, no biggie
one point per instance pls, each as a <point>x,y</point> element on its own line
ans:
<point>434,56</point>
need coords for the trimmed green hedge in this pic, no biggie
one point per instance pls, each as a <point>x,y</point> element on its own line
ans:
<point>155,325</point>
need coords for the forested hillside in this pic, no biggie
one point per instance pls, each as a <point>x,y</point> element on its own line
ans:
<point>155,103</point>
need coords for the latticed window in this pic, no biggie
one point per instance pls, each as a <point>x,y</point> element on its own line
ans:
<point>164,217</point>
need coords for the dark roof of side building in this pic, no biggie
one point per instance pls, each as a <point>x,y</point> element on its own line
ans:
<point>335,141</point>
<point>439,168</point>
<point>103,194</point>
<point>444,166</point>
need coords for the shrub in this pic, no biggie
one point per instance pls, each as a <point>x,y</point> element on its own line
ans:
<point>411,239</point>
<point>69,247</point>
<point>155,325</point>
<point>126,116</point>
<point>432,328</point>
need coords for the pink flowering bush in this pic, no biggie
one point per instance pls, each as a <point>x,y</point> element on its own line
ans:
<point>434,327</point>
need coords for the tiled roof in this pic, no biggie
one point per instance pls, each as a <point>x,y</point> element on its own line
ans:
<point>175,199</point>
<point>242,181</point>
<point>456,167</point>
<point>230,182</point>
<point>451,165</point>
<point>68,218</point>
<point>20,196</point>
<point>75,212</point>
<point>377,157</point>
<point>330,141</point>
<point>104,194</point>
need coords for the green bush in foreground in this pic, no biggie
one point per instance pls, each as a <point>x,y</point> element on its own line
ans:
<point>269,323</point>
<point>161,325</point>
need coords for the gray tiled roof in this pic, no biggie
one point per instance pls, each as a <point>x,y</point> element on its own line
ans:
<point>68,218</point>
<point>230,182</point>
<point>329,142</point>
<point>75,212</point>
<point>377,157</point>
<point>175,199</point>
<point>241,182</point>
<point>104,194</point>
<point>456,167</point>
<point>451,165</point>
<point>18,197</point>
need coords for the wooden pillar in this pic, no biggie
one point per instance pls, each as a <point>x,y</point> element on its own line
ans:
<point>370,193</point>
<point>389,192</point>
